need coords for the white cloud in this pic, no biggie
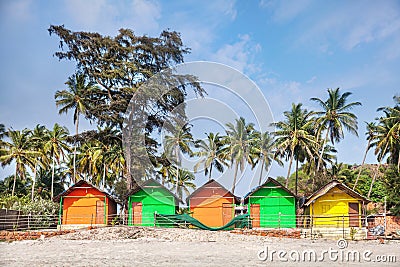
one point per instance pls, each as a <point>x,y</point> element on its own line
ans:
<point>107,16</point>
<point>145,15</point>
<point>352,25</point>
<point>312,79</point>
<point>98,18</point>
<point>239,55</point>
<point>17,10</point>
<point>283,11</point>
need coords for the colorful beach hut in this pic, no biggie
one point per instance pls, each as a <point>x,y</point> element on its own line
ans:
<point>271,205</point>
<point>84,204</point>
<point>335,205</point>
<point>148,198</point>
<point>212,204</point>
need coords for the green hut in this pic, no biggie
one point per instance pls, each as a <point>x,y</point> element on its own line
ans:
<point>271,205</point>
<point>149,198</point>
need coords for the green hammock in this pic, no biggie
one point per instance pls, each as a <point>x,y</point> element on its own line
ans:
<point>240,221</point>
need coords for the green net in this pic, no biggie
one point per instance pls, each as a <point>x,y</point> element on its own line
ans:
<point>240,221</point>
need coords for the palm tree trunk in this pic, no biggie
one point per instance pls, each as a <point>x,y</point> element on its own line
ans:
<point>104,176</point>
<point>76,136</point>
<point>376,173</point>
<point>288,173</point>
<point>322,149</point>
<point>234,177</point>
<point>52,179</point>
<point>297,176</point>
<point>15,179</point>
<point>34,181</point>
<point>362,164</point>
<point>262,168</point>
<point>209,175</point>
<point>177,168</point>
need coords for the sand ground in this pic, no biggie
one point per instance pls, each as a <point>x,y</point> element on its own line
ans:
<point>183,247</point>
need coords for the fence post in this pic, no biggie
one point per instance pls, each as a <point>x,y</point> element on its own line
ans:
<point>311,225</point>
<point>155,218</point>
<point>343,224</point>
<point>279,220</point>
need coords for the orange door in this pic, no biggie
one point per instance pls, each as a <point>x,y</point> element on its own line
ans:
<point>226,213</point>
<point>354,215</point>
<point>255,214</point>
<point>137,213</point>
<point>99,212</point>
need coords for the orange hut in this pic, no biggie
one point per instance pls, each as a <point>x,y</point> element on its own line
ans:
<point>212,204</point>
<point>83,204</point>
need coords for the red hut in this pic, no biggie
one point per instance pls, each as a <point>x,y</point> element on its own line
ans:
<point>212,204</point>
<point>83,204</point>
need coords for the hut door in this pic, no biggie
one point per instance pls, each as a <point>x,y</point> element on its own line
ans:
<point>255,214</point>
<point>226,213</point>
<point>353,215</point>
<point>99,212</point>
<point>137,212</point>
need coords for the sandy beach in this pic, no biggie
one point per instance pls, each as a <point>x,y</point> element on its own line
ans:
<point>139,246</point>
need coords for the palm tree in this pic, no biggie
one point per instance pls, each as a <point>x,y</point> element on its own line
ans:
<point>2,131</point>
<point>211,154</point>
<point>240,142</point>
<point>18,149</point>
<point>56,146</point>
<point>181,140</point>
<point>390,132</point>
<point>265,151</point>
<point>37,140</point>
<point>75,98</point>
<point>294,137</point>
<point>334,117</point>
<point>184,183</point>
<point>386,138</point>
<point>370,135</point>
<point>85,160</point>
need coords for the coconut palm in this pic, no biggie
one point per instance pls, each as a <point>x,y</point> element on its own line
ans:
<point>37,140</point>
<point>56,146</point>
<point>386,139</point>
<point>211,154</point>
<point>179,142</point>
<point>370,135</point>
<point>18,149</point>
<point>184,183</point>
<point>3,133</point>
<point>75,98</point>
<point>390,132</point>
<point>240,142</point>
<point>294,137</point>
<point>85,160</point>
<point>334,117</point>
<point>265,151</point>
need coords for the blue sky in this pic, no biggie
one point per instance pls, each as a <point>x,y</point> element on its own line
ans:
<point>293,50</point>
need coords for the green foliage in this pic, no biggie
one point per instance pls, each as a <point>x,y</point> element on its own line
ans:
<point>39,206</point>
<point>7,201</point>
<point>391,181</point>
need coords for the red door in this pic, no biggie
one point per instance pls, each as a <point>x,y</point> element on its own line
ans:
<point>137,213</point>
<point>226,213</point>
<point>255,214</point>
<point>99,212</point>
<point>354,220</point>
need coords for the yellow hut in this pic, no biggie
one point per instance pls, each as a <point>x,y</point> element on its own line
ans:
<point>335,205</point>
